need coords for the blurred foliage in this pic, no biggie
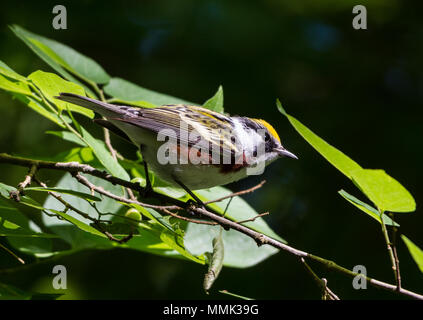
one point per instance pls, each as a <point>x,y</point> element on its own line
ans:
<point>361,89</point>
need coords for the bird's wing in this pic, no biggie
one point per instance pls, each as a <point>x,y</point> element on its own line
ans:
<point>194,125</point>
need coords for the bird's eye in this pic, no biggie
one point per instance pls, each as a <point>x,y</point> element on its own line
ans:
<point>266,136</point>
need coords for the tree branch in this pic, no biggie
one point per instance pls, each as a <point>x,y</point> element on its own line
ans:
<point>76,168</point>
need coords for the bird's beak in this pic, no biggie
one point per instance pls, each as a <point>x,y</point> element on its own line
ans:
<point>285,153</point>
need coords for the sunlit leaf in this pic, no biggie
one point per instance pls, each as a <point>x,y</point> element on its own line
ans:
<point>372,212</point>
<point>337,158</point>
<point>6,71</point>
<point>215,103</point>
<point>51,85</point>
<point>13,85</point>
<point>415,252</point>
<point>384,191</point>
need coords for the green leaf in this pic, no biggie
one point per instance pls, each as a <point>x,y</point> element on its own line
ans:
<point>81,155</point>
<point>67,136</point>
<point>39,108</point>
<point>415,252</point>
<point>125,90</point>
<point>240,250</point>
<point>5,66</point>
<point>216,102</point>
<point>142,104</point>
<point>215,262</point>
<point>34,42</point>
<point>81,225</point>
<point>79,194</point>
<point>37,246</point>
<point>337,158</point>
<point>106,205</point>
<point>384,191</point>
<point>10,213</point>
<point>177,243</point>
<point>103,155</point>
<point>51,85</point>
<point>6,71</point>
<point>372,212</point>
<point>25,200</point>
<point>13,85</point>
<point>55,52</point>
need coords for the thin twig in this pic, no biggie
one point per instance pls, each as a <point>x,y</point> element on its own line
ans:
<point>239,193</point>
<point>394,250</point>
<point>12,254</point>
<point>254,218</point>
<point>389,246</point>
<point>210,223</point>
<point>16,195</point>
<point>108,143</point>
<point>322,283</point>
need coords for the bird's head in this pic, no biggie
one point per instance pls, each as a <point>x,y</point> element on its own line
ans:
<point>272,143</point>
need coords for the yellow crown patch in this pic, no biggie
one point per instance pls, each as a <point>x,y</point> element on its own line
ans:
<point>272,131</point>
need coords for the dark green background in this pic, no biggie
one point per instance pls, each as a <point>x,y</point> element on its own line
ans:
<point>361,90</point>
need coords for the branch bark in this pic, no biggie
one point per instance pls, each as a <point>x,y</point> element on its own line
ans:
<point>76,168</point>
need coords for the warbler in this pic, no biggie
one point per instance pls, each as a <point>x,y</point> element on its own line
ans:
<point>190,146</point>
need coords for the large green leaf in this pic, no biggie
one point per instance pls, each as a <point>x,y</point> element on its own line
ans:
<point>372,212</point>
<point>415,252</point>
<point>337,158</point>
<point>51,85</point>
<point>125,90</point>
<point>215,103</point>
<point>384,191</point>
<point>57,54</point>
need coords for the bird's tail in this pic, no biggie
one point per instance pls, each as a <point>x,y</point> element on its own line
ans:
<point>103,108</point>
